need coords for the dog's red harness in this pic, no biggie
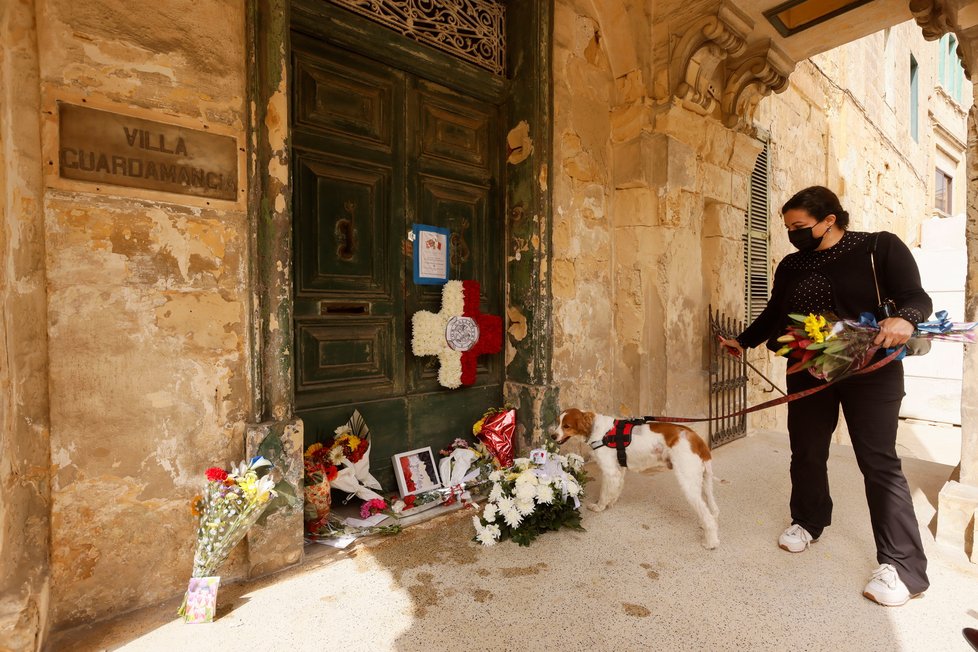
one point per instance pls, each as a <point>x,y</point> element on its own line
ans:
<point>619,437</point>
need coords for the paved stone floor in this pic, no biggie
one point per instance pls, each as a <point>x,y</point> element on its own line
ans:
<point>637,579</point>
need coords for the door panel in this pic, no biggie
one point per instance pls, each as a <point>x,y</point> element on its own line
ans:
<point>354,102</point>
<point>342,213</point>
<point>376,150</point>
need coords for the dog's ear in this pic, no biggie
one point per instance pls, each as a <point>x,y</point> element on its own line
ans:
<point>588,422</point>
<point>578,422</point>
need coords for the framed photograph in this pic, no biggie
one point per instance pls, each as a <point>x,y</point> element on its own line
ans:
<point>416,471</point>
<point>430,254</point>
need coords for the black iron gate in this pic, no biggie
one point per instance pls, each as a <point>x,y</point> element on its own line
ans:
<point>728,383</point>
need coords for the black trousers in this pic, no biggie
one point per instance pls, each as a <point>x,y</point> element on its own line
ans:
<point>871,405</point>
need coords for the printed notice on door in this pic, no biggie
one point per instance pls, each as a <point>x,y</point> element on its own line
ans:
<point>430,254</point>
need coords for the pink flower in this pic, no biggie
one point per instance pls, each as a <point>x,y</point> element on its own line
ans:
<point>372,507</point>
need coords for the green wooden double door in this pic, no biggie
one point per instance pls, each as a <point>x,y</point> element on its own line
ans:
<point>376,149</point>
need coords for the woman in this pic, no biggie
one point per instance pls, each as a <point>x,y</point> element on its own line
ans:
<point>832,272</point>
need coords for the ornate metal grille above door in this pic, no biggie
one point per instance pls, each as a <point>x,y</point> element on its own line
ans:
<point>728,383</point>
<point>472,30</point>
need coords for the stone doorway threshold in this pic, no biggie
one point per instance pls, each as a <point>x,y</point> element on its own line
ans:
<point>317,551</point>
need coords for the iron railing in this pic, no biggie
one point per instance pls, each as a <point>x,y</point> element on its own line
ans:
<point>728,383</point>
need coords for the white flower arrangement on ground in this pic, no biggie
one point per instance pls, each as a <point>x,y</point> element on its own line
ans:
<point>528,499</point>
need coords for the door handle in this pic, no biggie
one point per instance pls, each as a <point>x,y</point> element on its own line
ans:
<point>346,238</point>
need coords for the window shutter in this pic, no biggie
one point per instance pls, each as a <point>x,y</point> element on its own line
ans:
<point>757,268</point>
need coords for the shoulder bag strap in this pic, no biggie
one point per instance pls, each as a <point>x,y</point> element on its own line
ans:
<point>872,262</point>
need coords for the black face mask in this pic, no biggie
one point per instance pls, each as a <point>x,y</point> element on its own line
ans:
<point>804,240</point>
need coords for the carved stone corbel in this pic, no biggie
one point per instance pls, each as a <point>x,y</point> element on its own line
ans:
<point>931,17</point>
<point>763,71</point>
<point>696,69</point>
<point>935,20</point>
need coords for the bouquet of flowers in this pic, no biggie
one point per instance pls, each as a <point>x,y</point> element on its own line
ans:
<point>495,431</point>
<point>530,498</point>
<point>832,348</point>
<point>463,466</point>
<point>231,503</point>
<point>320,470</point>
<point>344,460</point>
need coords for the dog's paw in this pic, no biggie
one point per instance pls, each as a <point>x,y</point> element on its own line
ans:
<point>712,543</point>
<point>595,507</point>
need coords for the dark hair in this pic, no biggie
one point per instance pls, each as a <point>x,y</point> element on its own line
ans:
<point>819,202</point>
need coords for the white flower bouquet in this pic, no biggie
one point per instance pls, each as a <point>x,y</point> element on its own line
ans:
<point>530,498</point>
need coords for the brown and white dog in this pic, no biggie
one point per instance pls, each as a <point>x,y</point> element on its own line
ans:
<point>652,445</point>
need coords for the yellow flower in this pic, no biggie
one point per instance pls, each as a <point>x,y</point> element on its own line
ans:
<point>312,449</point>
<point>477,426</point>
<point>814,326</point>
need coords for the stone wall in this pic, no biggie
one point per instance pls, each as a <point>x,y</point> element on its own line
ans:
<point>647,201</point>
<point>148,304</point>
<point>24,425</point>
<point>582,278</point>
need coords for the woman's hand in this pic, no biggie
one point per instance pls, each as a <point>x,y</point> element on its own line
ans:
<point>732,346</point>
<point>894,331</point>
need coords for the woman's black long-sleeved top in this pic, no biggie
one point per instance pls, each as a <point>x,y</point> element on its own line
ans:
<point>842,283</point>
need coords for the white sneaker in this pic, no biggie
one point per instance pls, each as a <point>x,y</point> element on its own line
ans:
<point>795,539</point>
<point>886,587</point>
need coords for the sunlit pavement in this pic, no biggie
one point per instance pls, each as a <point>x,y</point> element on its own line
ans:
<point>636,579</point>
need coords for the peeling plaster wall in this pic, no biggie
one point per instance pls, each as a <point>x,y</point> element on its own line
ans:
<point>642,222</point>
<point>148,306</point>
<point>24,425</point>
<point>582,279</point>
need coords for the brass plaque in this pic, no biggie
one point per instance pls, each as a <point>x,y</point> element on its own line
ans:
<point>110,148</point>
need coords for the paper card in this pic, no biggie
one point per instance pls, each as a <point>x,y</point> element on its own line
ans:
<point>430,254</point>
<point>370,521</point>
<point>335,542</point>
<point>201,599</point>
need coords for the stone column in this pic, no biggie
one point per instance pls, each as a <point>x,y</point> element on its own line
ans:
<point>529,221</point>
<point>25,489</point>
<point>275,431</point>
<point>957,505</point>
<point>958,501</point>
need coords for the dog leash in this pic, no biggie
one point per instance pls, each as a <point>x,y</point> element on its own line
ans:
<point>781,399</point>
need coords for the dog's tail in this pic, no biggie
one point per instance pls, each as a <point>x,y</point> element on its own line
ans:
<point>708,488</point>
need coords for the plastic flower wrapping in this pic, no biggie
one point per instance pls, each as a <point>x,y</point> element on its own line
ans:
<point>495,431</point>
<point>230,504</point>
<point>532,497</point>
<point>831,348</point>
<point>463,467</point>
<point>344,460</point>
